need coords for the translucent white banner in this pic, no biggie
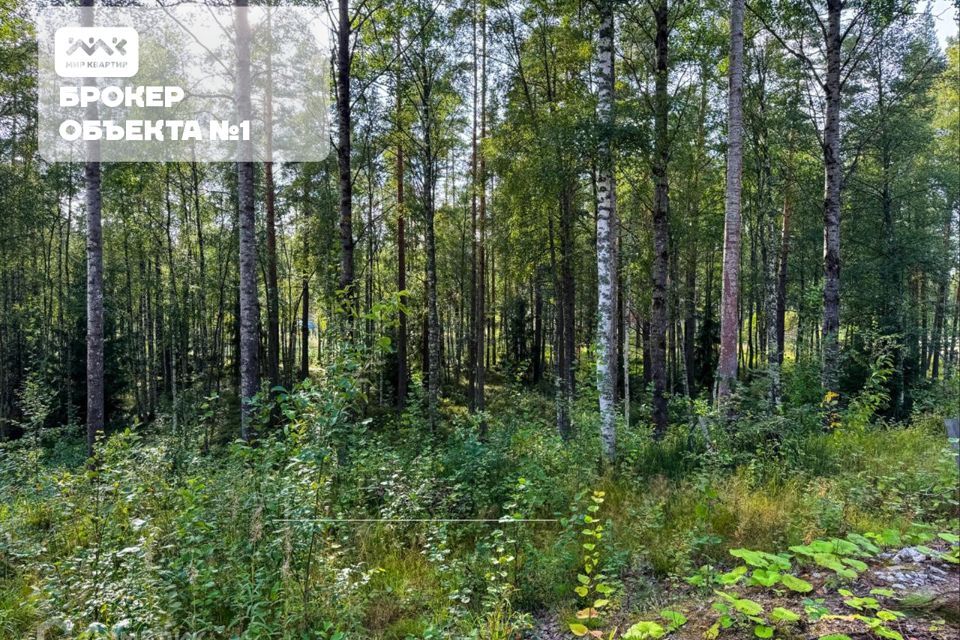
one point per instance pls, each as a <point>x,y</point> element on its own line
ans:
<point>157,84</point>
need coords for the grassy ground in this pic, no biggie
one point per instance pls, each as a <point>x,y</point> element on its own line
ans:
<point>254,542</point>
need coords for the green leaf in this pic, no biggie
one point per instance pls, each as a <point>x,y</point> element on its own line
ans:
<point>753,558</point>
<point>765,578</point>
<point>856,564</point>
<point>582,591</point>
<point>889,538</point>
<point>890,634</point>
<point>863,543</point>
<point>834,636</point>
<point>763,631</point>
<point>882,592</point>
<point>795,584</point>
<point>748,607</point>
<point>644,630</point>
<point>675,618</point>
<point>855,603</point>
<point>844,547</point>
<point>779,614</point>
<point>600,603</point>
<point>732,577</point>
<point>578,629</point>
<point>720,607</point>
<point>582,579</point>
<point>780,561</point>
<point>849,574</point>
<point>726,596</point>
<point>828,561</point>
<point>696,580</point>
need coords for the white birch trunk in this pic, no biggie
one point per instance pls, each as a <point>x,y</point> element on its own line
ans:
<point>606,240</point>
<point>729,321</point>
<point>833,175</point>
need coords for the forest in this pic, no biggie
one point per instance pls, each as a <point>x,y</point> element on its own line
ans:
<point>610,319</point>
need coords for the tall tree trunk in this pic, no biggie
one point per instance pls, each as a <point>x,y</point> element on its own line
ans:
<point>707,339</point>
<point>770,237</point>
<point>480,390</point>
<point>940,305</point>
<point>345,179</point>
<point>690,284</point>
<point>788,196</point>
<point>954,356</point>
<point>249,302</point>
<point>625,324</point>
<point>559,351</point>
<point>730,293</point>
<point>923,301</point>
<point>175,314</point>
<point>401,253</point>
<point>479,210</point>
<point>273,293</point>
<point>893,309</point>
<point>475,285</point>
<point>833,176</point>
<point>770,313</point>
<point>95,352</point>
<point>305,288</point>
<point>433,317</point>
<point>202,303</point>
<point>607,234</point>
<point>371,257</point>
<point>661,222</point>
<point>401,285</point>
<point>272,286</point>
<point>567,300</point>
<point>537,362</point>
<point>495,318</point>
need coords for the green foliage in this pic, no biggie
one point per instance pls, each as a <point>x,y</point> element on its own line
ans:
<point>796,584</point>
<point>180,532</point>
<point>593,587</point>
<point>874,394</point>
<point>649,630</point>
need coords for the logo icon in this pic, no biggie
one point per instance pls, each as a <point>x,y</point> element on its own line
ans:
<point>97,52</point>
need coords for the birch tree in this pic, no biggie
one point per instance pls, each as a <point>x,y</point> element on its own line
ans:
<point>92,197</point>
<point>607,235</point>
<point>730,291</point>
<point>843,34</point>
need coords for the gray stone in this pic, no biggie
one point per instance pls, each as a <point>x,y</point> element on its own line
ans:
<point>909,555</point>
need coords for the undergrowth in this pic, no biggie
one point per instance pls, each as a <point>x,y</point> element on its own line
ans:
<point>332,527</point>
